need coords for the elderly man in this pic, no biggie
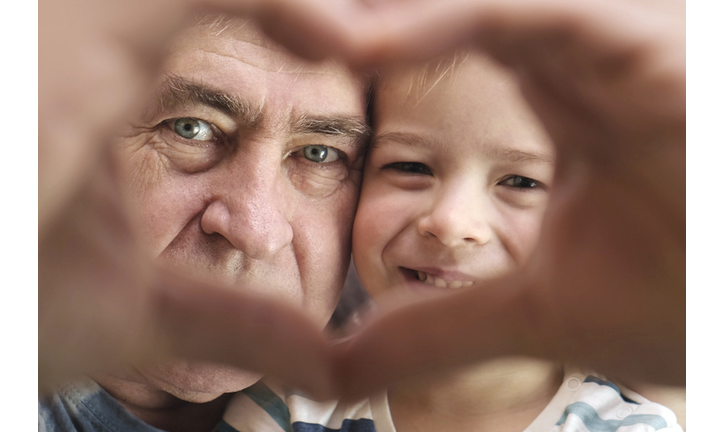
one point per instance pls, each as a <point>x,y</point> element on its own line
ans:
<point>245,169</point>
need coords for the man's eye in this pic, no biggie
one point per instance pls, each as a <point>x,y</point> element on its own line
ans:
<point>320,154</point>
<point>410,167</point>
<point>520,182</point>
<point>195,129</point>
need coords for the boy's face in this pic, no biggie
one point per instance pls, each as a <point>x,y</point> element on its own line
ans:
<point>455,184</point>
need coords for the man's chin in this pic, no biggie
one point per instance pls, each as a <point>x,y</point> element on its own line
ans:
<point>199,382</point>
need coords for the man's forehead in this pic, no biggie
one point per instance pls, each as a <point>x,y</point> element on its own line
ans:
<point>242,39</point>
<point>232,63</point>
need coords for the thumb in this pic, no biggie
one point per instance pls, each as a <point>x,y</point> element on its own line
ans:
<point>488,320</point>
<point>213,323</point>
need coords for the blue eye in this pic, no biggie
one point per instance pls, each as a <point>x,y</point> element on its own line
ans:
<point>410,167</point>
<point>195,129</point>
<point>320,154</point>
<point>520,182</point>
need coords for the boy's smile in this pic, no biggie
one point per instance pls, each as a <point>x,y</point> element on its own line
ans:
<point>456,181</point>
<point>438,277</point>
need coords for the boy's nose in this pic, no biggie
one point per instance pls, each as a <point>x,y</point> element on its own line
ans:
<point>457,219</point>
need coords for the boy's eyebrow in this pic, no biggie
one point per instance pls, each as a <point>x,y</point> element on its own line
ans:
<point>502,154</point>
<point>411,139</point>
<point>518,156</point>
<point>177,91</point>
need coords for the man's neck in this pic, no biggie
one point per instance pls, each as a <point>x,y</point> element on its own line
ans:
<point>505,394</point>
<point>160,409</point>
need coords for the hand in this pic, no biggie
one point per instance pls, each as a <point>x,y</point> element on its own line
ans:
<point>606,284</point>
<point>546,309</point>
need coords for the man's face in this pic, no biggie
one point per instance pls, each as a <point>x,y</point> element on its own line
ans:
<point>246,169</point>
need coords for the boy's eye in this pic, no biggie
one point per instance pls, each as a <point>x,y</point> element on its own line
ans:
<point>520,182</point>
<point>409,167</point>
<point>195,129</point>
<point>320,154</point>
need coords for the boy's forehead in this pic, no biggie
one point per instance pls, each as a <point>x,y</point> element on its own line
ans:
<point>448,77</point>
<point>473,100</point>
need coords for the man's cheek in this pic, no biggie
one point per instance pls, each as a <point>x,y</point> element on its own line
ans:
<point>323,278</point>
<point>331,229</point>
<point>140,165</point>
<point>323,180</point>
<point>162,202</point>
<point>142,175</point>
<point>335,214</point>
<point>327,236</point>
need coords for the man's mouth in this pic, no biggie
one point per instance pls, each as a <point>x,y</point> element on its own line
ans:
<point>440,282</point>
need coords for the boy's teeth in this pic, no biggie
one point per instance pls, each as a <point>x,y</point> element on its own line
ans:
<point>441,283</point>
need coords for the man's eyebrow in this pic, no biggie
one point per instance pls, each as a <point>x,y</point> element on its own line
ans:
<point>345,125</point>
<point>177,91</point>
<point>499,153</point>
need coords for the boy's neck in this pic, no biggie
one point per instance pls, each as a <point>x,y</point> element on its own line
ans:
<point>500,395</point>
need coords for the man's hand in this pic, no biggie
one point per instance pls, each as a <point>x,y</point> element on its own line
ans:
<point>605,286</point>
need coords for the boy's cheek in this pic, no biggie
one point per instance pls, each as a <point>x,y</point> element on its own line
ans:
<point>522,240</point>
<point>368,242</point>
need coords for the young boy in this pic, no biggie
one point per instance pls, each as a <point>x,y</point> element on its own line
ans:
<point>455,187</point>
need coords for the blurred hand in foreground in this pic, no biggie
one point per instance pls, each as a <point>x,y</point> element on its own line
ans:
<point>605,287</point>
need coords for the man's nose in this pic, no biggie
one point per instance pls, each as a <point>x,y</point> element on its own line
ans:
<point>248,210</point>
<point>459,216</point>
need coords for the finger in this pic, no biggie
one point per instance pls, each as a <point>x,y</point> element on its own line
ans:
<point>90,285</point>
<point>313,29</point>
<point>206,322</point>
<point>439,333</point>
<point>609,69</point>
<point>420,30</point>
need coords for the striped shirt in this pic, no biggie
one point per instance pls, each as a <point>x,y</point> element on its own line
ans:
<point>584,402</point>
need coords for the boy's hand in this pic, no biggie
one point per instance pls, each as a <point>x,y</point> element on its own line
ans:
<point>606,284</point>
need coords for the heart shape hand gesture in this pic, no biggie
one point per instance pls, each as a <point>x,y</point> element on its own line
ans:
<point>605,286</point>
